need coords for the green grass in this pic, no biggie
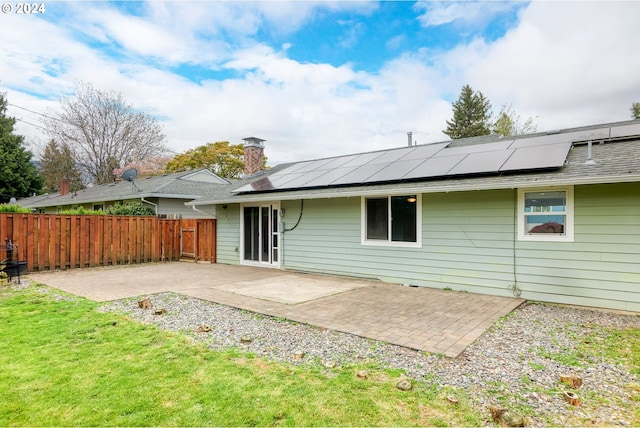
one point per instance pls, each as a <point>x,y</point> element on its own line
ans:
<point>64,363</point>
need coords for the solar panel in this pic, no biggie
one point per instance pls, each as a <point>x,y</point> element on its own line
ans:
<point>546,156</point>
<point>487,147</point>
<point>424,152</point>
<point>475,163</point>
<point>625,130</point>
<point>360,174</point>
<point>362,159</point>
<point>435,167</point>
<point>396,170</point>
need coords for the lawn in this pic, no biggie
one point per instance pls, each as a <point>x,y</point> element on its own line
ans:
<point>63,363</point>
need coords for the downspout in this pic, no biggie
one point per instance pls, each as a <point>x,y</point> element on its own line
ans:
<point>514,287</point>
<point>155,206</point>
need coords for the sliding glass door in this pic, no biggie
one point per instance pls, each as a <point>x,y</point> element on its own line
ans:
<point>260,234</point>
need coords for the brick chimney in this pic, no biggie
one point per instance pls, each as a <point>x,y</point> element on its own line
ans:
<point>65,186</point>
<point>253,155</point>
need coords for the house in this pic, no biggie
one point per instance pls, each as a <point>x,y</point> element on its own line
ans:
<point>550,216</point>
<point>167,194</point>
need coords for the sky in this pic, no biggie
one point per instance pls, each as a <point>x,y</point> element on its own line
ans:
<point>322,78</point>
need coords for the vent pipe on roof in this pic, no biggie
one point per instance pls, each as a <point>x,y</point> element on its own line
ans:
<point>409,138</point>
<point>590,160</point>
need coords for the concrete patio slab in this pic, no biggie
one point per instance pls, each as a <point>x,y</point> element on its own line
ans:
<point>291,290</point>
<point>426,319</point>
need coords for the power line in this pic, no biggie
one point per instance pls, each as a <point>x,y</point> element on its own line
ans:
<point>38,113</point>
<point>29,123</point>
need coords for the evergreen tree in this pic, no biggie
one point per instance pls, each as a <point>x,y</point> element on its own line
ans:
<point>18,176</point>
<point>57,163</point>
<point>635,110</point>
<point>471,115</point>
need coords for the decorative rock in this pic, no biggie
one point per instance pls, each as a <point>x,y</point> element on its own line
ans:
<point>404,385</point>
<point>511,419</point>
<point>362,374</point>
<point>145,303</point>
<point>160,311</point>
<point>496,413</point>
<point>203,328</point>
<point>571,398</point>
<point>329,364</point>
<point>298,355</point>
<point>451,399</point>
<point>246,339</point>
<point>572,380</point>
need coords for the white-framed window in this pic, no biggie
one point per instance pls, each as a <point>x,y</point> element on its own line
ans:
<point>393,220</point>
<point>545,214</point>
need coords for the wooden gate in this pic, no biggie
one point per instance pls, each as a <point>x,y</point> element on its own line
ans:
<point>198,240</point>
<point>187,242</point>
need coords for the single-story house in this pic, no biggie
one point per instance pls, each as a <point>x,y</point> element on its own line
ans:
<point>167,194</point>
<point>550,216</point>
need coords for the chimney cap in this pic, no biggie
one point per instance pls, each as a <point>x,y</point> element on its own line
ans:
<point>253,141</point>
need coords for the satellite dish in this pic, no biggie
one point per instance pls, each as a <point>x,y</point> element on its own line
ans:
<point>130,174</point>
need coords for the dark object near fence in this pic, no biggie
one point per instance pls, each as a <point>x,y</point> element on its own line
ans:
<point>9,263</point>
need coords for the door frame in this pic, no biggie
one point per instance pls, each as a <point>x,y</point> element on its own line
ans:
<point>273,206</point>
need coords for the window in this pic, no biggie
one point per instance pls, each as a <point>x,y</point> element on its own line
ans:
<point>545,214</point>
<point>391,220</point>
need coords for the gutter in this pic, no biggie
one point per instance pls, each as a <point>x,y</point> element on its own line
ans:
<point>203,212</point>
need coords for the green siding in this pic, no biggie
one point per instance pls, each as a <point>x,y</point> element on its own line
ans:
<point>461,248</point>
<point>228,234</point>
<point>468,244</point>
<point>602,266</point>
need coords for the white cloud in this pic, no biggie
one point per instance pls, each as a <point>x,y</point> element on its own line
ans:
<point>468,13</point>
<point>568,64</point>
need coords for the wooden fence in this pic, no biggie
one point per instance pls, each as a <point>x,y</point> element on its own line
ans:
<point>51,241</point>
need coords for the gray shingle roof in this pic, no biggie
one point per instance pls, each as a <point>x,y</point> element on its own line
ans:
<point>177,185</point>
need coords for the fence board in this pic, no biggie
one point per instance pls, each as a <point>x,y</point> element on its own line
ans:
<point>49,242</point>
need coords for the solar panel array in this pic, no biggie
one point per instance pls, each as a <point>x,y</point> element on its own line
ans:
<point>434,160</point>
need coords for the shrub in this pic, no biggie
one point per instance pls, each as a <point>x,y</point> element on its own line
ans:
<point>81,211</point>
<point>133,208</point>
<point>13,208</point>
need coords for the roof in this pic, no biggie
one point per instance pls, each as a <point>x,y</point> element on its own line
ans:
<point>186,185</point>
<point>615,149</point>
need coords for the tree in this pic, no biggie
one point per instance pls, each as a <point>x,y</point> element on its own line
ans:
<point>18,176</point>
<point>103,132</point>
<point>471,115</point>
<point>635,110</point>
<point>508,123</point>
<point>57,163</point>
<point>222,158</point>
<point>147,168</point>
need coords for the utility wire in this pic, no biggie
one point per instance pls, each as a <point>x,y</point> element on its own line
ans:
<point>29,123</point>
<point>35,112</point>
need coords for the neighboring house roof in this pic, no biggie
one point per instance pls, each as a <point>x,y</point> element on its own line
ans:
<point>181,185</point>
<point>543,159</point>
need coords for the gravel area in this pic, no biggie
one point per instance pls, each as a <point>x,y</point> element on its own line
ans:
<point>515,365</point>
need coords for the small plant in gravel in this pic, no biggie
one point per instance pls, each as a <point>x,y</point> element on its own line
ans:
<point>536,366</point>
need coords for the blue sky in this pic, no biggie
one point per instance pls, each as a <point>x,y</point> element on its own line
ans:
<point>324,78</point>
